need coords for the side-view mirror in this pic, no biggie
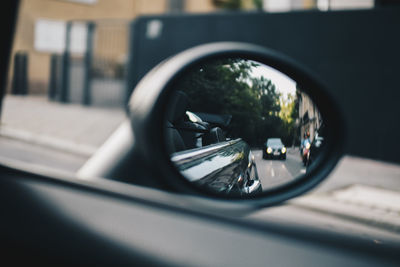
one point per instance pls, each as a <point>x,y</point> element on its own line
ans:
<point>233,122</point>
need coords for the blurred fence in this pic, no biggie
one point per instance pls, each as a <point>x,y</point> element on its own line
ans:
<point>92,68</point>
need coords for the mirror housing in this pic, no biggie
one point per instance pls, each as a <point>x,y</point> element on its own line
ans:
<point>148,105</point>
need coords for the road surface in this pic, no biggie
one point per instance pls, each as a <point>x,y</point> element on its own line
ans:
<point>40,156</point>
<point>277,172</point>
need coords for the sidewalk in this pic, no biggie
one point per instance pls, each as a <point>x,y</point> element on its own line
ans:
<point>67,127</point>
<point>360,203</point>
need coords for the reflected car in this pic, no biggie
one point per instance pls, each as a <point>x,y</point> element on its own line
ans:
<point>226,167</point>
<point>274,148</point>
<point>201,152</point>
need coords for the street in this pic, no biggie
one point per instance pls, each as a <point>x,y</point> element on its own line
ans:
<point>40,156</point>
<point>276,172</point>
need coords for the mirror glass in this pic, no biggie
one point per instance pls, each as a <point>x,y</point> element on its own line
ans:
<point>239,127</point>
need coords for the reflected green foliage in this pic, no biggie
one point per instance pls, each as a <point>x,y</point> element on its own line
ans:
<point>227,86</point>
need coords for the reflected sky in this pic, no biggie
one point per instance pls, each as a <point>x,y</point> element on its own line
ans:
<point>283,83</point>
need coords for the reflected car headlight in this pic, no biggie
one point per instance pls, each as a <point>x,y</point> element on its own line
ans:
<point>284,150</point>
<point>269,150</point>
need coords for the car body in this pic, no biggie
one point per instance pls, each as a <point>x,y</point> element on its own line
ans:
<point>311,150</point>
<point>274,148</point>
<point>226,167</point>
<point>203,155</point>
<point>317,144</point>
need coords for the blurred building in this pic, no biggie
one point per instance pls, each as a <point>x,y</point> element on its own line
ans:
<point>309,116</point>
<point>41,28</point>
<point>323,5</point>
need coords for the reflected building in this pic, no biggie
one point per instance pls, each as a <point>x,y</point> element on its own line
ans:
<point>310,118</point>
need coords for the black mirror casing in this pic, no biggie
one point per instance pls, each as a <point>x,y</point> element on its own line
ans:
<point>147,109</point>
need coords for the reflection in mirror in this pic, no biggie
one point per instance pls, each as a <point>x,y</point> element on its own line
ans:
<point>238,127</point>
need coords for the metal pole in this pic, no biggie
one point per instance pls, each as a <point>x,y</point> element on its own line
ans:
<point>20,75</point>
<point>16,75</point>
<point>24,78</point>
<point>52,91</point>
<point>64,92</point>
<point>86,100</point>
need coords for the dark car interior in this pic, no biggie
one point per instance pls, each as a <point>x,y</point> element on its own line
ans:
<point>51,218</point>
<point>182,134</point>
<point>176,113</point>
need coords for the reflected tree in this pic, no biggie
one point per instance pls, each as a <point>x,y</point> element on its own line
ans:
<point>227,86</point>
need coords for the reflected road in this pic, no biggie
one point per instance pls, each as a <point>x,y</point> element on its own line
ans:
<point>277,172</point>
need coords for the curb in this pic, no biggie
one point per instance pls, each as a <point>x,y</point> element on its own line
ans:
<point>345,203</point>
<point>47,141</point>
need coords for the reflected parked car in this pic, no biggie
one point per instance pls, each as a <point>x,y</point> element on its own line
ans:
<point>274,148</point>
<point>203,155</point>
<point>317,144</point>
<point>226,167</point>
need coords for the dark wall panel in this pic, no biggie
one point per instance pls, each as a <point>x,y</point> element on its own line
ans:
<point>356,53</point>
